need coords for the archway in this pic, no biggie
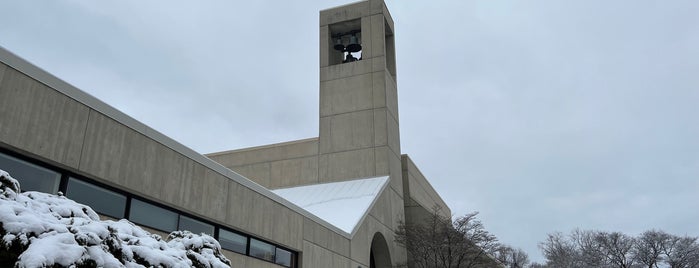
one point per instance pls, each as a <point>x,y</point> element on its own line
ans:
<point>379,257</point>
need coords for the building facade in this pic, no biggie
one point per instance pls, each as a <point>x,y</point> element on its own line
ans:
<point>54,137</point>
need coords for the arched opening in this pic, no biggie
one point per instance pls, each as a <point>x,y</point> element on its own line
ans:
<point>379,257</point>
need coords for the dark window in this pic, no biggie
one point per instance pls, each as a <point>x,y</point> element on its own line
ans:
<point>31,177</point>
<point>283,257</point>
<point>152,216</point>
<point>195,226</point>
<point>232,241</point>
<point>101,200</point>
<point>262,250</point>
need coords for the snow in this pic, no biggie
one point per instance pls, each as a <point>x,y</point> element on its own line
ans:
<point>342,204</point>
<point>45,230</point>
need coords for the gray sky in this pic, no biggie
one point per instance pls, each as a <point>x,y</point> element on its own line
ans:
<point>543,115</point>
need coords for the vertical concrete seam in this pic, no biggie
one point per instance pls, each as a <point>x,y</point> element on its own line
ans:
<point>82,146</point>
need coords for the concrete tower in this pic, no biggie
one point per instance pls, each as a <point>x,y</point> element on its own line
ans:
<point>359,134</point>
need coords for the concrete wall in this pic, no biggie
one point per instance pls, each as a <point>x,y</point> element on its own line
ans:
<point>420,198</point>
<point>47,119</point>
<point>275,166</point>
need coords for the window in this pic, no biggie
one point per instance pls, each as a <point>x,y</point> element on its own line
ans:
<point>31,177</point>
<point>152,216</point>
<point>283,257</point>
<point>195,226</point>
<point>262,250</point>
<point>232,241</point>
<point>101,200</point>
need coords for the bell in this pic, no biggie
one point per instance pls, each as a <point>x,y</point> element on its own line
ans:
<point>338,44</point>
<point>350,58</point>
<point>354,46</point>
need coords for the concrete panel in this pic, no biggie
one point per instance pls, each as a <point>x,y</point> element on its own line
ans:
<point>259,173</point>
<point>290,226</point>
<point>366,42</point>
<point>268,219</point>
<point>382,166</point>
<point>174,173</point>
<point>378,47</point>
<point>315,256</point>
<point>388,210</point>
<point>398,209</point>
<point>379,88</point>
<point>378,63</point>
<point>237,259</point>
<point>348,131</point>
<point>344,13</point>
<point>391,95</point>
<point>383,210</point>
<point>325,46</point>
<point>149,180</point>
<point>40,120</point>
<point>420,190</point>
<point>240,202</point>
<point>360,245</point>
<point>3,67</point>
<point>256,263</point>
<point>192,190</point>
<point>394,164</point>
<point>116,153</point>
<point>294,172</point>
<point>347,165</point>
<point>336,71</point>
<point>393,135</point>
<point>266,153</point>
<point>259,215</point>
<point>388,17</point>
<point>323,237</point>
<point>380,127</point>
<point>215,196</point>
<point>344,95</point>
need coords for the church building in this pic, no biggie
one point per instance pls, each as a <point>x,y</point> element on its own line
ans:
<point>334,200</point>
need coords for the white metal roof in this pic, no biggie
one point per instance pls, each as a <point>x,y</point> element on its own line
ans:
<point>342,204</point>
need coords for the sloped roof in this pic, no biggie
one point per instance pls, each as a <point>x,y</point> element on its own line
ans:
<point>342,204</point>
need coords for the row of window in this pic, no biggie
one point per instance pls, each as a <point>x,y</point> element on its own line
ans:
<point>111,203</point>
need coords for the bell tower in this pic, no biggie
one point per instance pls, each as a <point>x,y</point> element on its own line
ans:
<point>359,135</point>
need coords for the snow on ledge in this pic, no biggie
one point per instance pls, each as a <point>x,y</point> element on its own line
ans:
<point>342,204</point>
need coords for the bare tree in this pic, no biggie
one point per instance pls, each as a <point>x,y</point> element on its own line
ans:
<point>615,248</point>
<point>483,244</point>
<point>437,242</point>
<point>681,252</point>
<point>511,257</point>
<point>649,247</point>
<point>588,249</point>
<point>558,251</point>
<point>652,249</point>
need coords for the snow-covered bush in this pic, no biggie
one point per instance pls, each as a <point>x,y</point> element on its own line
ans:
<point>45,230</point>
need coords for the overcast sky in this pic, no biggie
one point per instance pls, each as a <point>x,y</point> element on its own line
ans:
<point>543,115</point>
